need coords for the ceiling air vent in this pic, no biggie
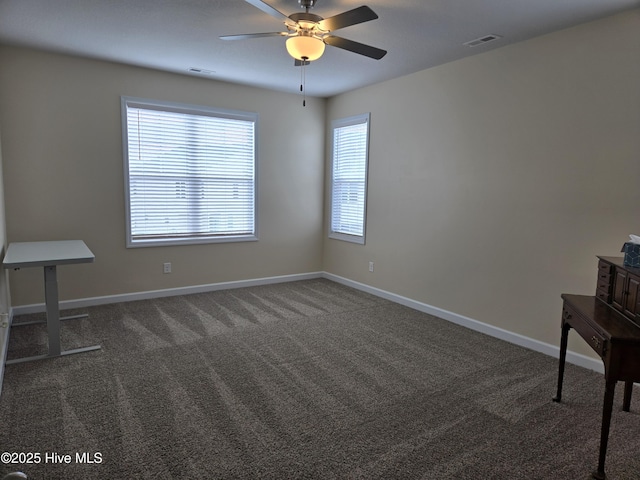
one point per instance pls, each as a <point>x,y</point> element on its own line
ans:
<point>482,40</point>
<point>201,71</point>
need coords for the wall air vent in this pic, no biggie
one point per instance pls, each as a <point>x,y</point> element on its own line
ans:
<point>482,40</point>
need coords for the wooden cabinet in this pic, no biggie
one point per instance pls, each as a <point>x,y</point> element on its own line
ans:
<point>605,283</point>
<point>625,293</point>
<point>620,278</point>
<point>619,286</point>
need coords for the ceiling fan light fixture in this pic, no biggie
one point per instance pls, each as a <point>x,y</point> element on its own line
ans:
<point>302,47</point>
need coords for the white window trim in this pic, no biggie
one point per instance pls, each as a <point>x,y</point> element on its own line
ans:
<point>189,109</point>
<point>344,122</point>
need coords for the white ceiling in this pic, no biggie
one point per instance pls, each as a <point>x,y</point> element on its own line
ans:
<point>176,35</point>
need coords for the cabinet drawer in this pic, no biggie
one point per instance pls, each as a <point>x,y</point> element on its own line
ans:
<point>604,267</point>
<point>605,286</point>
<point>593,337</point>
<point>604,278</point>
<point>604,295</point>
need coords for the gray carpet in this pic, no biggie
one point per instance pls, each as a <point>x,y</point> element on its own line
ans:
<point>304,380</point>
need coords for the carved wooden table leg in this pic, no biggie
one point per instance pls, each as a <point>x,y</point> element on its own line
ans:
<point>628,390</point>
<point>563,354</point>
<point>607,406</point>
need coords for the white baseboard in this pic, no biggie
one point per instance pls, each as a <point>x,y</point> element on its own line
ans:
<point>511,337</point>
<point>169,292</point>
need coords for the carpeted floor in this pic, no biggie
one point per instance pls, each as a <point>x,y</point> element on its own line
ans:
<point>303,380</point>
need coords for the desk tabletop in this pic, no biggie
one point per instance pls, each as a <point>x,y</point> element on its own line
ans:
<point>38,254</point>
<point>617,326</point>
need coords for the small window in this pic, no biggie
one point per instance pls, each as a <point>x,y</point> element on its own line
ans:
<point>190,173</point>
<point>349,165</point>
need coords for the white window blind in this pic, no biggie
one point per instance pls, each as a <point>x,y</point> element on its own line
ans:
<point>349,178</point>
<point>190,173</point>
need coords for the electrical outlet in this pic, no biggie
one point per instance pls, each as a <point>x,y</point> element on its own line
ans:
<point>371,266</point>
<point>166,268</point>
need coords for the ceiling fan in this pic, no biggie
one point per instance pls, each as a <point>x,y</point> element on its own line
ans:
<point>309,33</point>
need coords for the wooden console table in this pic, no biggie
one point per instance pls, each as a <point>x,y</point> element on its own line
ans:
<point>609,323</point>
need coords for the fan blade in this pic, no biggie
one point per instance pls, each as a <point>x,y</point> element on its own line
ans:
<point>348,18</point>
<point>253,35</point>
<point>355,47</point>
<point>268,9</point>
<point>298,63</point>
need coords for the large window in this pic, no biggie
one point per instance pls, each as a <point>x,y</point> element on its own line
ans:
<point>190,173</point>
<point>349,178</point>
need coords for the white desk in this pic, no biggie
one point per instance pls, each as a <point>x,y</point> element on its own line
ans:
<point>49,255</point>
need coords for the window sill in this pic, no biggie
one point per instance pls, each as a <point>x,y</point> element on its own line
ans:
<point>190,241</point>
<point>347,238</point>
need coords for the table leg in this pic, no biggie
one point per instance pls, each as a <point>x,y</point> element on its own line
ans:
<point>53,309</point>
<point>607,406</point>
<point>563,355</point>
<point>53,321</point>
<point>628,390</point>
<point>35,322</point>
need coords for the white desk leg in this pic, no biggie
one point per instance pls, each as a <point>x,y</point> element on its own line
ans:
<point>53,321</point>
<point>53,309</point>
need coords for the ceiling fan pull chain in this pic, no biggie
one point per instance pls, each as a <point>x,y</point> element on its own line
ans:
<point>303,82</point>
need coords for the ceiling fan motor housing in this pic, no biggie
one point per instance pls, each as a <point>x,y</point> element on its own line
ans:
<point>307,3</point>
<point>305,17</point>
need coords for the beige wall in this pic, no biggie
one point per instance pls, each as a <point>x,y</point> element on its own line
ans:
<point>495,181</point>
<point>63,168</point>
